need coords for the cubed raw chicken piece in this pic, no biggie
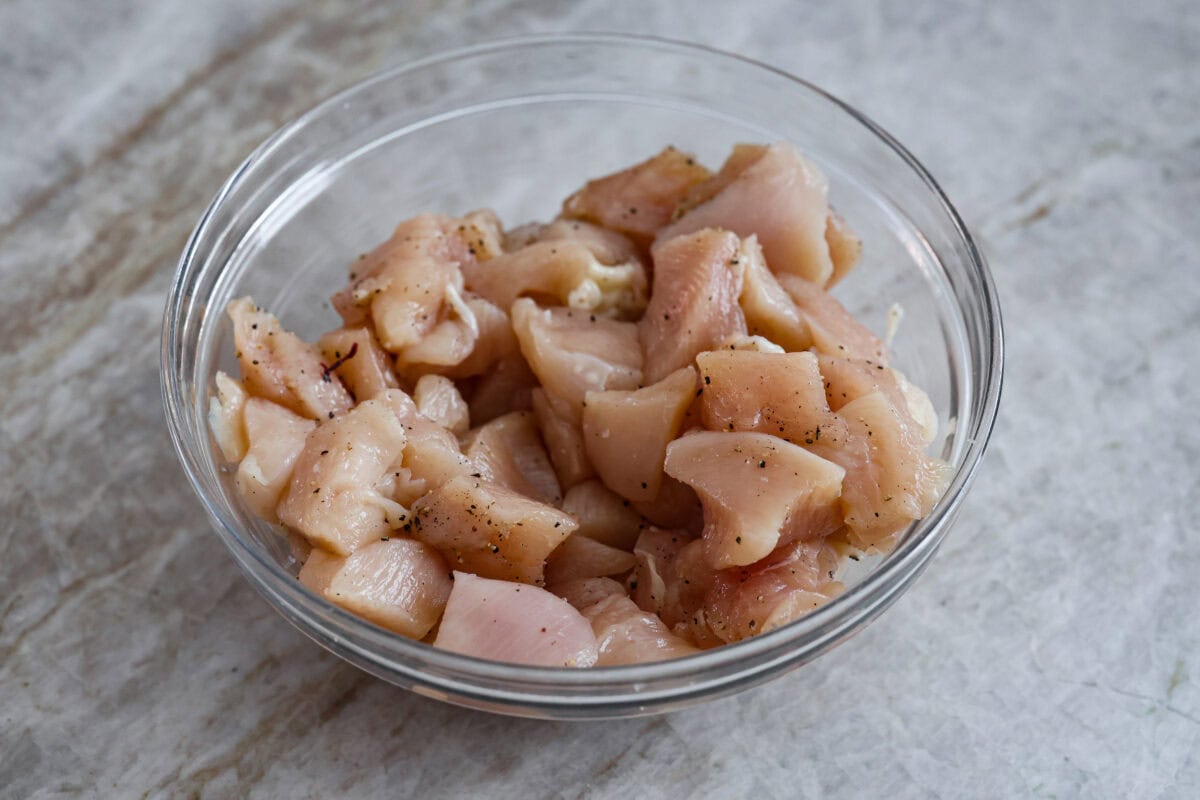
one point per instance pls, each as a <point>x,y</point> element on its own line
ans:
<point>782,394</point>
<point>563,272</point>
<point>354,356</point>
<point>832,328</point>
<point>640,200</point>
<point>848,379</point>
<point>757,490</point>
<point>790,582</point>
<point>277,365</point>
<point>398,583</point>
<point>625,634</point>
<point>770,311</point>
<point>889,480</point>
<point>438,399</point>
<point>603,514</point>
<point>521,624</point>
<point>753,344</point>
<point>584,592</point>
<point>625,433</point>
<point>655,551</point>
<point>581,557</point>
<point>694,304</point>
<point>490,530</point>
<point>450,340</point>
<point>275,438</point>
<point>334,498</point>
<point>508,451</point>
<point>431,454</point>
<point>574,352</point>
<point>494,343</point>
<point>562,431</point>
<point>845,247</point>
<point>780,197</point>
<point>225,417</point>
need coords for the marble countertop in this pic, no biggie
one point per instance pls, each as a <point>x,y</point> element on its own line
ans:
<point>1052,649</point>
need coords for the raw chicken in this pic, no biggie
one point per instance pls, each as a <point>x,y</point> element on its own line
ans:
<point>584,592</point>
<point>508,451</point>
<point>438,400</point>
<point>833,330</point>
<point>520,624</point>
<point>225,417</point>
<point>603,515</point>
<point>625,634</point>
<point>277,365</point>
<point>489,530</point>
<point>398,584</point>
<point>354,356</point>
<point>845,248</point>
<point>693,307</point>
<point>608,246</point>
<point>334,499</point>
<point>770,311</point>
<point>506,387</point>
<point>431,454</point>
<point>275,438</point>
<point>757,490</point>
<point>625,433</point>
<point>562,431</point>
<point>640,200</point>
<point>780,197</point>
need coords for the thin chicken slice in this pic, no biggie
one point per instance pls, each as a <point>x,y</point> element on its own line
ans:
<point>694,304</point>
<point>756,490</point>
<point>516,623</point>
<point>355,356</point>
<point>278,365</point>
<point>780,197</point>
<point>489,530</point>
<point>334,497</point>
<point>274,440</point>
<point>640,200</point>
<point>626,433</point>
<point>508,451</point>
<point>399,584</point>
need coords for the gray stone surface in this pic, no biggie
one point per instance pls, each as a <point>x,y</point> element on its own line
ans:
<point>1052,649</point>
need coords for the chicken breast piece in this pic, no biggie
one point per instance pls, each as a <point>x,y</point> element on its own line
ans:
<point>770,311</point>
<point>625,634</point>
<point>603,514</point>
<point>355,356</point>
<point>508,451</point>
<point>676,507</point>
<point>516,623</point>
<point>832,328</point>
<point>506,388</point>
<point>562,431</point>
<point>580,557</point>
<point>790,582</point>
<point>438,400</point>
<point>756,490</point>
<point>780,197</point>
<point>889,481</point>
<point>653,585</point>
<point>782,394</point>
<point>845,248</point>
<point>431,454</point>
<point>490,530</point>
<point>398,583</point>
<point>608,246</point>
<point>334,498</point>
<point>573,352</point>
<point>848,379</point>
<point>225,417</point>
<point>275,438</point>
<point>694,303</point>
<point>625,433</point>
<point>640,200</point>
<point>279,366</point>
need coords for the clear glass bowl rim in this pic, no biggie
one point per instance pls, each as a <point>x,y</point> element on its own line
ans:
<point>385,654</point>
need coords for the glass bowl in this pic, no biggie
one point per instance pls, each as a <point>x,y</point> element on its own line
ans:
<point>517,125</point>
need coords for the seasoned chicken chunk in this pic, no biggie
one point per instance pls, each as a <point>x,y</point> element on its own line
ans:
<point>275,438</point>
<point>513,622</point>
<point>438,400</point>
<point>603,514</point>
<point>354,356</point>
<point>625,634</point>
<point>581,557</point>
<point>508,451</point>
<point>225,417</point>
<point>833,330</point>
<point>562,431</point>
<point>397,583</point>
